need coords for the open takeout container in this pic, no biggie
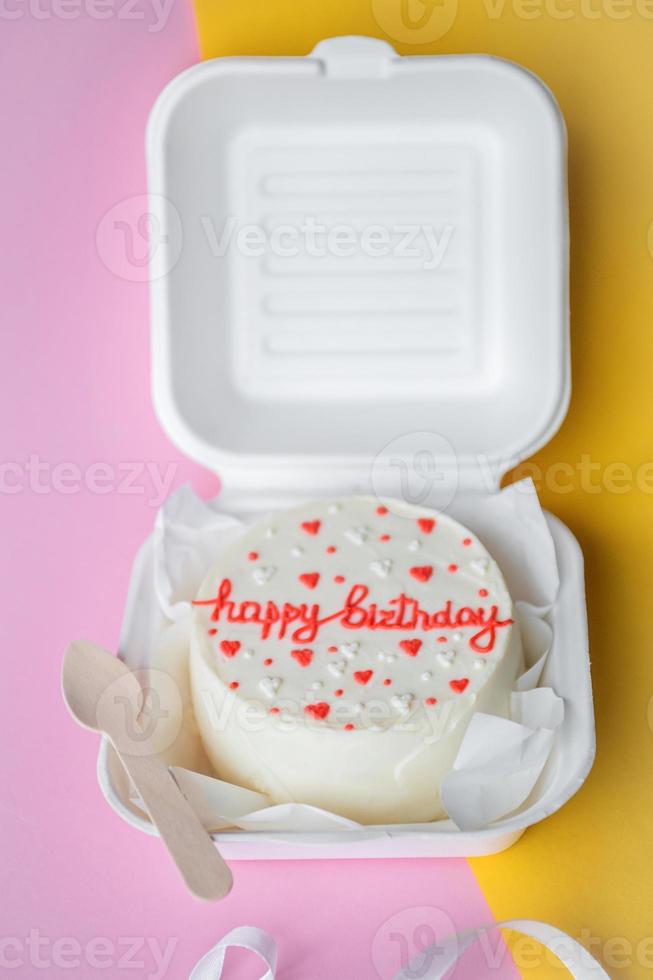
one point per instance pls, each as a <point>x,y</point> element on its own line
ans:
<point>419,351</point>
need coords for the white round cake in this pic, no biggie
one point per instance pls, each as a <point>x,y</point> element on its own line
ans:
<point>339,650</point>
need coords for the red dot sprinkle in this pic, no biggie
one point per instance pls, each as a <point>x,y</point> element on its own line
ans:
<point>253,555</point>
<point>234,685</point>
<point>382,510</point>
<point>384,537</point>
<point>387,682</point>
<point>430,702</point>
<point>274,711</point>
<point>453,568</point>
<point>442,639</point>
<point>349,727</point>
<point>212,632</point>
<point>339,693</point>
<point>467,542</point>
<point>331,549</point>
<point>332,649</point>
<point>267,661</point>
<point>339,579</point>
<point>483,592</point>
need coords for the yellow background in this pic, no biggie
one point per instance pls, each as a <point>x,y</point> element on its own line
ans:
<point>588,867</point>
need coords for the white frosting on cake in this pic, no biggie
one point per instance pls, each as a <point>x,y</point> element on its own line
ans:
<point>339,649</point>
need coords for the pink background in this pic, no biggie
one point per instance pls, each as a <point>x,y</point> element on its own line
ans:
<point>76,92</point>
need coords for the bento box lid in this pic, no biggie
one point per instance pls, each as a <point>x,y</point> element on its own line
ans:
<point>359,269</point>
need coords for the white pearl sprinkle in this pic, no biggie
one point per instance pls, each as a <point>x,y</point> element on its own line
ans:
<point>269,686</point>
<point>445,657</point>
<point>296,551</point>
<point>317,685</point>
<point>382,567</point>
<point>427,675</point>
<point>414,545</point>
<point>350,650</point>
<point>479,663</point>
<point>402,703</point>
<point>248,654</point>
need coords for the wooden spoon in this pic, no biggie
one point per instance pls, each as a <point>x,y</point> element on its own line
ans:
<point>102,694</point>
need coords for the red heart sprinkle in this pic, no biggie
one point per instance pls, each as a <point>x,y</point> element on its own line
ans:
<point>319,710</point>
<point>411,647</point>
<point>303,657</point>
<point>230,647</point>
<point>423,573</point>
<point>363,676</point>
<point>311,527</point>
<point>309,579</point>
<point>459,686</point>
<point>425,524</point>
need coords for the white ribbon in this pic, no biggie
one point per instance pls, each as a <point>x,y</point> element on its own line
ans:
<point>244,937</point>
<point>580,963</point>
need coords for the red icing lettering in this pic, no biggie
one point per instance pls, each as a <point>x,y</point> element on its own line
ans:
<point>302,623</point>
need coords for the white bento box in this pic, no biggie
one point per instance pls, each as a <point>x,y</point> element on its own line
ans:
<point>297,360</point>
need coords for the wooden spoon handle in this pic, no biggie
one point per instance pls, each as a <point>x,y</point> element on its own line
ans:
<point>199,861</point>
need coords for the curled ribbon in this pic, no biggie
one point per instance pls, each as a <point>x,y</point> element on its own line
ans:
<point>581,965</point>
